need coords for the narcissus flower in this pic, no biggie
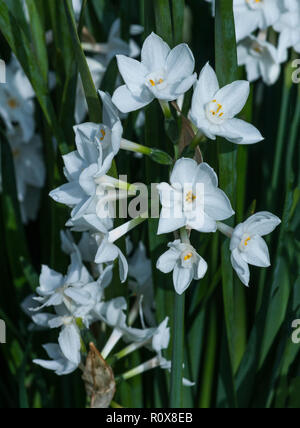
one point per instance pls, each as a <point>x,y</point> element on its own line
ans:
<point>17,106</point>
<point>193,199</point>
<point>288,27</point>
<point>186,265</point>
<point>163,73</point>
<point>260,58</point>
<point>252,14</point>
<point>213,109</point>
<point>247,245</point>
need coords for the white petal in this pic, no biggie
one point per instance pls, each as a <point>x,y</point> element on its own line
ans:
<point>86,179</point>
<point>257,252</point>
<point>261,223</point>
<point>126,102</point>
<point>74,165</point>
<point>185,85</point>
<point>154,53</point>
<point>245,132</point>
<point>167,222</point>
<point>184,172</point>
<point>107,253</point>
<point>182,279</point>
<point>69,194</point>
<point>133,73</point>
<point>240,266</point>
<point>50,280</point>
<point>205,224</point>
<point>207,176</point>
<point>233,97</point>
<point>205,91</point>
<point>180,63</point>
<point>166,263</point>
<point>217,205</point>
<point>123,267</point>
<point>69,342</point>
<point>201,269</point>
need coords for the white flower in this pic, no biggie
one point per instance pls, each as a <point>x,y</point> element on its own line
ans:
<point>186,265</point>
<point>193,199</point>
<point>163,73</point>
<point>252,14</point>
<point>247,245</point>
<point>213,109</point>
<point>288,27</point>
<point>108,253</point>
<point>56,289</point>
<point>16,105</point>
<point>59,364</point>
<point>30,171</point>
<point>82,169</point>
<point>97,72</point>
<point>260,58</point>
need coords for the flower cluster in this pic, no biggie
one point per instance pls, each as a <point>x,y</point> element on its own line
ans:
<point>256,50</point>
<point>193,201</point>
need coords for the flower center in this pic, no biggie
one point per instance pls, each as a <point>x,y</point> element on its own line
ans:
<point>12,103</point>
<point>215,112</point>
<point>254,4</point>
<point>245,242</point>
<point>190,197</point>
<point>188,256</point>
<point>154,83</point>
<point>257,49</point>
<point>102,134</point>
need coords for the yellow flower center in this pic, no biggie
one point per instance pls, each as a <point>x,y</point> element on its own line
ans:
<point>153,83</point>
<point>190,197</point>
<point>217,111</point>
<point>247,241</point>
<point>188,257</point>
<point>12,103</point>
<point>103,134</point>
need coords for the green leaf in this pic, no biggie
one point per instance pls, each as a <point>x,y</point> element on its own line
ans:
<point>163,20</point>
<point>93,101</point>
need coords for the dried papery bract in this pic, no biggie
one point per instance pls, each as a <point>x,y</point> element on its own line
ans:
<point>99,380</point>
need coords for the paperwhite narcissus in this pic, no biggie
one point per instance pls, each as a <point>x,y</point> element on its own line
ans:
<point>213,109</point>
<point>247,245</point>
<point>163,73</point>
<point>186,265</point>
<point>16,104</point>
<point>260,58</point>
<point>252,14</point>
<point>193,199</point>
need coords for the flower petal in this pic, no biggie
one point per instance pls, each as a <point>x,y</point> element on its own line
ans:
<point>233,97</point>
<point>182,278</point>
<point>154,53</point>
<point>180,63</point>
<point>133,73</point>
<point>70,344</point>
<point>184,172</point>
<point>245,132</point>
<point>166,263</point>
<point>257,252</point>
<point>205,91</point>
<point>240,266</point>
<point>261,223</point>
<point>217,205</point>
<point>126,102</point>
